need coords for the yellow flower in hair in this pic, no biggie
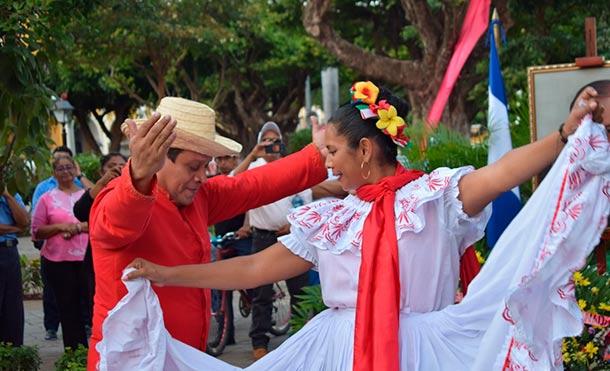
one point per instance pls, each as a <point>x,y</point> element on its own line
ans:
<point>365,91</point>
<point>604,306</point>
<point>389,120</point>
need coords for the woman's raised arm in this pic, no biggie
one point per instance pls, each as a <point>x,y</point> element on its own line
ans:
<point>482,186</point>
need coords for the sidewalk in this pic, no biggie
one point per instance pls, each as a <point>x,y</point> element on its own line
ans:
<point>238,355</point>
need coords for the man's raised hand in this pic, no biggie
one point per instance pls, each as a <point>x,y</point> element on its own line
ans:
<point>149,144</point>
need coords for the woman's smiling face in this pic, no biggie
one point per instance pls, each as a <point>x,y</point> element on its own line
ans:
<point>344,161</point>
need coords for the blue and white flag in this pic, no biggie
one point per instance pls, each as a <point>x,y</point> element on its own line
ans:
<point>508,204</point>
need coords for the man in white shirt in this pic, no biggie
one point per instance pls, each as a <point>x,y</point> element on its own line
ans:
<point>269,222</point>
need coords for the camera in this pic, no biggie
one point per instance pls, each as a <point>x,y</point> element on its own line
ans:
<point>275,147</point>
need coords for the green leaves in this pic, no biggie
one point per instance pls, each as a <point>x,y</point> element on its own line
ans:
<point>310,304</point>
<point>24,99</point>
<point>23,358</point>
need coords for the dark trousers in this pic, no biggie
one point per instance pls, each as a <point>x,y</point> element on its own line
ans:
<point>90,285</point>
<point>49,305</point>
<point>262,303</point>
<point>11,297</point>
<point>69,283</point>
<point>242,248</point>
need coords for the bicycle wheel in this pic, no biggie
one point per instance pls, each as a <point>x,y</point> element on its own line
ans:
<point>245,306</point>
<point>280,316</point>
<point>219,323</point>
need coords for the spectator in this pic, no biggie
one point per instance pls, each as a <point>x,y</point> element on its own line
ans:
<point>268,223</point>
<point>240,226</point>
<point>13,219</point>
<point>49,305</point>
<point>64,250</point>
<point>110,167</point>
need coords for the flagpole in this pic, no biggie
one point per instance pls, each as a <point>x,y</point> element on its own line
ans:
<point>497,36</point>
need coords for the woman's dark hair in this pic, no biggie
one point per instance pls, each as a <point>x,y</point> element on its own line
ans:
<point>349,123</point>
<point>601,86</point>
<point>104,159</point>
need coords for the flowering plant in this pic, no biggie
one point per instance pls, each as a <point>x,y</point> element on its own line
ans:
<point>590,350</point>
<point>364,96</point>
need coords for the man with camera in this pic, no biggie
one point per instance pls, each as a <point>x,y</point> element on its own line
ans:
<point>269,222</point>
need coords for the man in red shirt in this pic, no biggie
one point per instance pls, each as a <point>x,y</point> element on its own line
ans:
<point>162,204</point>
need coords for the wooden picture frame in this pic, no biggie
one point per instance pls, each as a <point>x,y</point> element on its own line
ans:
<point>551,90</point>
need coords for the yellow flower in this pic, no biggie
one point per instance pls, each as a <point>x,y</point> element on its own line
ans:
<point>581,280</point>
<point>594,290</point>
<point>365,91</point>
<point>580,357</point>
<point>480,257</point>
<point>591,349</point>
<point>582,304</point>
<point>389,120</point>
<point>604,306</point>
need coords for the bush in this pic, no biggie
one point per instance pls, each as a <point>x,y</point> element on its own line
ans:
<point>445,148</point>
<point>310,303</point>
<point>23,358</point>
<point>298,140</point>
<point>89,165</point>
<point>31,278</point>
<point>73,360</point>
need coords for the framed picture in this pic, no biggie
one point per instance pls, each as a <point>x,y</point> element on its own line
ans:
<point>551,90</point>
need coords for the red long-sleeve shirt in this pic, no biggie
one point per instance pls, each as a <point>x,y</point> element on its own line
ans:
<point>126,224</point>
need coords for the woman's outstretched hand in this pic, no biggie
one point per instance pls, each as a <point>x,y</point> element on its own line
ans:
<point>583,105</point>
<point>157,274</point>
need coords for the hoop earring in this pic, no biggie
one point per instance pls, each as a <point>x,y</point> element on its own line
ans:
<point>368,174</point>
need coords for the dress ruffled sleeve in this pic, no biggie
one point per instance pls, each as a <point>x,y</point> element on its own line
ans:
<point>300,247</point>
<point>332,225</point>
<point>467,229</point>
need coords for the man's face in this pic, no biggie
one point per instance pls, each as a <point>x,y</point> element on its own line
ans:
<point>269,137</point>
<point>183,178</point>
<point>226,164</point>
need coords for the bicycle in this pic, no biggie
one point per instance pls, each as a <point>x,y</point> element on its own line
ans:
<point>221,318</point>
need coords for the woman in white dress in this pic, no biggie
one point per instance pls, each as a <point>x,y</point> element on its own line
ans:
<point>388,256</point>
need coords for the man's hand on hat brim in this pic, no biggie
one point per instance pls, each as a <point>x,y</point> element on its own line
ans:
<point>149,145</point>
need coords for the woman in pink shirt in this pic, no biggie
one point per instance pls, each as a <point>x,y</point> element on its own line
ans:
<point>64,250</point>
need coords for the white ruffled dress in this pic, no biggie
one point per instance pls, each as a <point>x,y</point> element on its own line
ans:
<point>517,309</point>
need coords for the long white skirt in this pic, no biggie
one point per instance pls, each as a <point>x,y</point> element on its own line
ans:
<point>517,311</point>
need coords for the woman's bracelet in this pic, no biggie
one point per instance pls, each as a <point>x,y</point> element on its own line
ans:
<point>78,228</point>
<point>563,139</point>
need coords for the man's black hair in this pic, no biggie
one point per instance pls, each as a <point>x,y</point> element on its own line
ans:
<point>63,149</point>
<point>173,153</point>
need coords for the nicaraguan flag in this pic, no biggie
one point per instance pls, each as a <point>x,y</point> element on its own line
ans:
<point>508,204</point>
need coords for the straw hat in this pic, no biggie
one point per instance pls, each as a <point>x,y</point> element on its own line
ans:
<point>195,128</point>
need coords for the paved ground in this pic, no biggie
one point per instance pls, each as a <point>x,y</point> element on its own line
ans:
<point>238,354</point>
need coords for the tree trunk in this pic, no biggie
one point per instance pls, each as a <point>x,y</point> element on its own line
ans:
<point>121,113</point>
<point>82,119</point>
<point>421,77</point>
